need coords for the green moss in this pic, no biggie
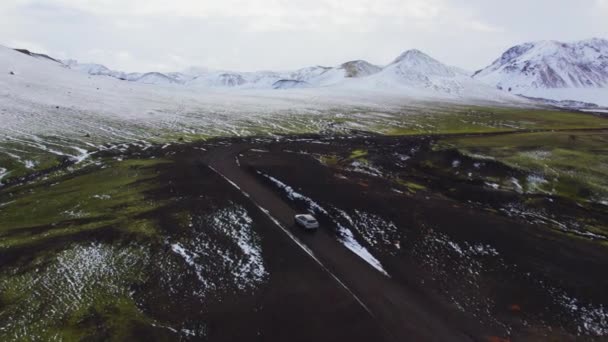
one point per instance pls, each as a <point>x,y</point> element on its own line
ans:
<point>569,164</point>
<point>330,160</point>
<point>82,292</point>
<point>456,120</point>
<point>183,219</point>
<point>98,196</point>
<point>411,186</point>
<point>358,154</point>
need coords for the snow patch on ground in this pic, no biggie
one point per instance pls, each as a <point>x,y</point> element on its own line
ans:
<point>30,164</point>
<point>365,168</point>
<point>3,173</point>
<point>538,216</point>
<point>224,251</point>
<point>345,235</point>
<point>313,206</point>
<point>375,230</point>
<point>591,319</point>
<point>67,283</point>
<point>348,239</point>
<point>468,261</point>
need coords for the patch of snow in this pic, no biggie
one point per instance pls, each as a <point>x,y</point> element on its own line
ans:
<point>605,111</point>
<point>313,206</point>
<point>224,241</point>
<point>74,213</point>
<point>346,237</point>
<point>591,319</point>
<point>537,216</point>
<point>69,282</point>
<point>517,185</point>
<point>535,181</point>
<point>375,230</point>
<point>5,204</point>
<point>493,185</point>
<point>365,168</point>
<point>3,173</point>
<point>30,164</point>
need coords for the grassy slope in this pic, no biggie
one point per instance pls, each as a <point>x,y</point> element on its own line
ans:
<point>66,203</point>
<point>574,164</point>
<point>94,278</point>
<point>489,120</point>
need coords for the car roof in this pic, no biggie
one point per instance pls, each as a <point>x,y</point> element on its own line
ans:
<point>306,216</point>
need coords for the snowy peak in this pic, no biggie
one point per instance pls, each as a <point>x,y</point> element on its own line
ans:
<point>420,63</point>
<point>550,64</point>
<point>413,55</point>
<point>414,72</point>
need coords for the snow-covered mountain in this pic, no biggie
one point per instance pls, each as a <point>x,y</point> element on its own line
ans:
<point>417,69</point>
<point>42,96</point>
<point>199,77</point>
<point>56,108</point>
<point>415,72</point>
<point>553,70</point>
<point>560,72</point>
<point>411,74</point>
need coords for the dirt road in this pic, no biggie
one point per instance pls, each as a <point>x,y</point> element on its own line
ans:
<point>401,314</point>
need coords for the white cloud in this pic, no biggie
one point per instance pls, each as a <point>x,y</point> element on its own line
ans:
<point>255,8</point>
<point>479,26</point>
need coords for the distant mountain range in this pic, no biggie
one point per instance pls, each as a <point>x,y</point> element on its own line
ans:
<point>564,73</point>
<point>411,72</point>
<point>554,70</point>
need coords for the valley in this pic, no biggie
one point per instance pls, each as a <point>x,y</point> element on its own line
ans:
<point>160,206</point>
<point>180,235</point>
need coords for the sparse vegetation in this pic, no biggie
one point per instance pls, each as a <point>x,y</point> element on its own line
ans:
<point>67,203</point>
<point>557,164</point>
<point>490,120</point>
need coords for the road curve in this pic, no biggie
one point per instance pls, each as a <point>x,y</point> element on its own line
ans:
<point>401,314</point>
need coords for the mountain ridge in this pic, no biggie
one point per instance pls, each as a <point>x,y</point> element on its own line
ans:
<point>551,64</point>
<point>554,70</point>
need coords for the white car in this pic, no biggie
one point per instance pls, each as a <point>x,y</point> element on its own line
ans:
<point>307,221</point>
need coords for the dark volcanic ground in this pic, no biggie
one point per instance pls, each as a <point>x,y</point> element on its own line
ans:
<point>446,243</point>
<point>407,249</point>
<point>460,260</point>
<point>295,294</point>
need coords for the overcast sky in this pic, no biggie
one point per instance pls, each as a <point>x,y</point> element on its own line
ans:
<point>161,35</point>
